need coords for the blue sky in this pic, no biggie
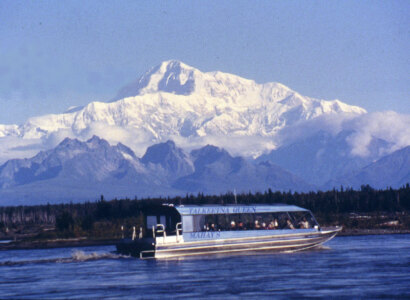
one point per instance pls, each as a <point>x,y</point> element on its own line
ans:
<point>56,54</point>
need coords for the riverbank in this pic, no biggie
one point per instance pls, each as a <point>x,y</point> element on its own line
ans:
<point>86,242</point>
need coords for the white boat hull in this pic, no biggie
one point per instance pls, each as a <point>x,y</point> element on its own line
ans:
<point>279,243</point>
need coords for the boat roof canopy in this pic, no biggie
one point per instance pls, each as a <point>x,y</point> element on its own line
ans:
<point>188,210</point>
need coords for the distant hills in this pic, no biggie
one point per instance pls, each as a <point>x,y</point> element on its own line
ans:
<point>79,171</point>
<point>392,170</point>
<point>323,156</point>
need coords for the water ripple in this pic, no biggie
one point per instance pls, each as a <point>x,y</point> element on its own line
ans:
<point>348,267</point>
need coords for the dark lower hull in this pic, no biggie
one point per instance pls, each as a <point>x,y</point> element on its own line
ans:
<point>134,248</point>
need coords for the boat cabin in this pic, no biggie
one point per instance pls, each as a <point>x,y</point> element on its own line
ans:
<point>157,218</point>
<point>197,222</point>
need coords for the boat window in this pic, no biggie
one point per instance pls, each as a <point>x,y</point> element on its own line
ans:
<point>187,224</point>
<point>151,221</point>
<point>163,220</point>
<point>272,221</point>
<point>198,223</point>
<point>303,219</point>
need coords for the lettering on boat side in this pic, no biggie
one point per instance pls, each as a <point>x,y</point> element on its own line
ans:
<point>221,210</point>
<point>205,235</point>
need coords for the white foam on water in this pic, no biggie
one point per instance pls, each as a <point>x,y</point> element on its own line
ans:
<point>79,255</point>
<point>76,256</point>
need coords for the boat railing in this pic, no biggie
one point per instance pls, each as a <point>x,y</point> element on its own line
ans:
<point>178,231</point>
<point>147,254</point>
<point>161,229</point>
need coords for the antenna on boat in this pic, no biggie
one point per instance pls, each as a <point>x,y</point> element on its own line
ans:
<point>234,193</point>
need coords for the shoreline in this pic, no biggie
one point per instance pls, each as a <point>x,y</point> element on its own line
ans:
<point>85,242</point>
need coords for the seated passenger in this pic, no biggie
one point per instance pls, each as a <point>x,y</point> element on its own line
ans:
<point>273,224</point>
<point>257,225</point>
<point>240,226</point>
<point>289,224</point>
<point>212,227</point>
<point>233,225</point>
<point>304,224</point>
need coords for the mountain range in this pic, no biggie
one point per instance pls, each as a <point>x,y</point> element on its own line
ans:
<point>79,171</point>
<point>231,133</point>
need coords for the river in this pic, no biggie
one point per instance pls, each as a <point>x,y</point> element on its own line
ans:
<point>346,267</point>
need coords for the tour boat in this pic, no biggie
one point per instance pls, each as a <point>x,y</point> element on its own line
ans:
<point>186,230</point>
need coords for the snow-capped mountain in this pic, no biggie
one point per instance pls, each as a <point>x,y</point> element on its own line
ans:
<point>174,100</point>
<point>316,140</point>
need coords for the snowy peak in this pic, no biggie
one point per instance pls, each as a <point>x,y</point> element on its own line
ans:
<point>176,101</point>
<point>170,76</point>
<point>223,91</point>
<point>178,78</point>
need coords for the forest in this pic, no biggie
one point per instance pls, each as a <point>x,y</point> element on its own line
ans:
<point>366,208</point>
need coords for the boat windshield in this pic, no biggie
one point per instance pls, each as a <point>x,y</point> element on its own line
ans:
<point>252,221</point>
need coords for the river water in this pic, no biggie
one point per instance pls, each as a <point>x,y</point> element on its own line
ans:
<point>346,267</point>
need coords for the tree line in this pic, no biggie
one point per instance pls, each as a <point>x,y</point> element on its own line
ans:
<point>83,217</point>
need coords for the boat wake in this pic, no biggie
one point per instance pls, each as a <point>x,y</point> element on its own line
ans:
<point>323,247</point>
<point>309,249</point>
<point>79,255</point>
<point>76,256</point>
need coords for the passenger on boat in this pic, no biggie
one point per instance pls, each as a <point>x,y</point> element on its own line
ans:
<point>233,225</point>
<point>264,226</point>
<point>241,226</point>
<point>289,224</point>
<point>304,224</point>
<point>273,224</point>
<point>257,225</point>
<point>212,227</point>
